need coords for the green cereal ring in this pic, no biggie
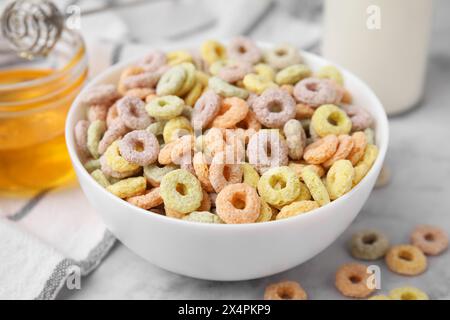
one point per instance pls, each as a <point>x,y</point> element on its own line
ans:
<point>369,245</point>
<point>165,108</point>
<point>129,187</point>
<point>94,135</point>
<point>157,128</point>
<point>330,119</point>
<point>181,191</point>
<point>266,212</point>
<point>279,186</point>
<point>292,74</point>
<point>340,178</point>
<point>251,176</point>
<point>190,80</point>
<point>203,217</point>
<point>370,136</point>
<point>175,128</point>
<point>100,177</point>
<point>316,187</point>
<point>172,81</point>
<point>154,173</point>
<point>225,89</point>
<point>304,193</point>
<point>92,165</point>
<point>332,73</point>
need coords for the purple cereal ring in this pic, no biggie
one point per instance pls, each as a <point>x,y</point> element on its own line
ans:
<point>97,112</point>
<point>235,71</point>
<point>274,108</point>
<point>139,147</point>
<point>104,94</point>
<point>80,131</point>
<point>132,112</point>
<point>361,118</point>
<point>316,92</point>
<point>154,60</point>
<point>222,173</point>
<point>205,110</point>
<point>143,80</point>
<point>114,174</point>
<point>116,131</point>
<point>258,150</point>
<point>244,49</point>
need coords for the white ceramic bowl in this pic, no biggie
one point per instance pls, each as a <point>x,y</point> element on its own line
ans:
<point>230,252</point>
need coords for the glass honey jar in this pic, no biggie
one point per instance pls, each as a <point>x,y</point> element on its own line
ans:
<point>35,97</point>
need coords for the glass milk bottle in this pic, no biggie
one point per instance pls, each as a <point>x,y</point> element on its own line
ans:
<point>384,42</point>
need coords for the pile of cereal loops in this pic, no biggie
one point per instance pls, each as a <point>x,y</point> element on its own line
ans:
<point>231,134</point>
<point>351,279</point>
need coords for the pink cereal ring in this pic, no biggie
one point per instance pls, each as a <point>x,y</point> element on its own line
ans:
<point>81,129</point>
<point>322,150</point>
<point>132,112</point>
<point>139,147</point>
<point>205,110</point>
<point>274,108</point>
<point>316,92</point>
<point>258,150</point>
<point>222,174</point>
<point>112,115</point>
<point>244,49</point>
<point>104,94</point>
<point>361,118</point>
<point>154,60</point>
<point>235,72</point>
<point>251,99</point>
<point>97,112</point>
<point>116,131</point>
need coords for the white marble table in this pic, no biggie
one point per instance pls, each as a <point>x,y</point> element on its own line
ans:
<point>419,192</point>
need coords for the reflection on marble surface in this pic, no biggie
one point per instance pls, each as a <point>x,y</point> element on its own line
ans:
<point>419,158</point>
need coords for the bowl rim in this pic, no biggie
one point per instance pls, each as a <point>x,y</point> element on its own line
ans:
<point>382,128</point>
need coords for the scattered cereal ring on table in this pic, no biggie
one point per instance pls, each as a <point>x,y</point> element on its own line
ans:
<point>259,146</point>
<point>238,203</point>
<point>282,56</point>
<point>316,187</point>
<point>295,138</point>
<point>407,293</point>
<point>245,49</point>
<point>279,186</point>
<point>316,92</point>
<point>202,217</point>
<point>406,260</point>
<point>94,135</point>
<point>351,280</point>
<point>129,187</point>
<point>369,245</point>
<point>181,191</point>
<point>165,108</point>
<point>152,198</point>
<point>154,173</point>
<point>139,147</point>
<point>274,108</point>
<point>431,240</point>
<point>322,150</point>
<point>292,74</point>
<point>340,179</point>
<point>231,112</point>
<point>286,290</point>
<point>225,89</point>
<point>213,51</point>
<point>296,208</point>
<point>330,119</point>
<point>332,73</point>
<point>131,111</point>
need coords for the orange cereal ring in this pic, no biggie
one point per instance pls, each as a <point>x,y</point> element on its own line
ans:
<point>238,203</point>
<point>173,213</point>
<point>249,122</point>
<point>406,260</point>
<point>286,290</point>
<point>112,115</point>
<point>320,151</point>
<point>232,111</point>
<point>431,240</point>
<point>303,111</point>
<point>205,205</point>
<point>150,199</point>
<point>344,148</point>
<point>222,174</point>
<point>359,147</point>
<point>351,280</point>
<point>202,171</point>
<point>165,153</point>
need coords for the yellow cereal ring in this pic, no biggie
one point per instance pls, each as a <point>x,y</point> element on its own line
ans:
<point>127,188</point>
<point>116,162</point>
<point>218,65</point>
<point>165,108</point>
<point>364,165</point>
<point>202,78</point>
<point>175,128</point>
<point>315,185</point>
<point>251,176</point>
<point>265,71</point>
<point>292,74</point>
<point>340,178</point>
<point>380,297</point>
<point>181,191</point>
<point>304,193</point>
<point>94,135</point>
<point>266,212</point>
<point>211,51</point>
<point>406,260</point>
<point>193,95</point>
<point>257,84</point>
<point>189,82</point>
<point>296,208</point>
<point>100,177</point>
<point>330,119</point>
<point>279,186</point>
<point>203,217</point>
<point>178,57</point>
<point>332,73</point>
<point>407,293</point>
